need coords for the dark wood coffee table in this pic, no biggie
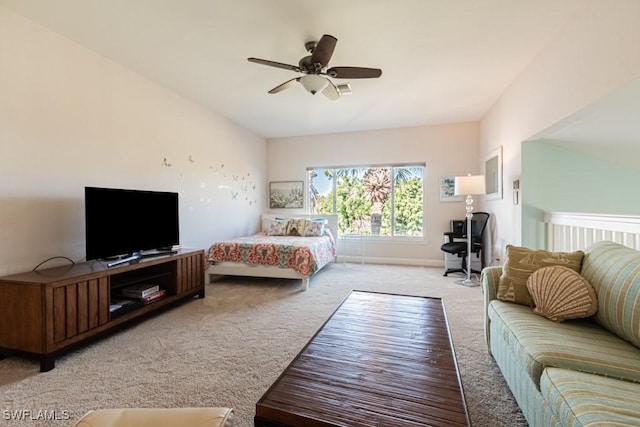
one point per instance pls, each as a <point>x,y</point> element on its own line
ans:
<point>379,360</point>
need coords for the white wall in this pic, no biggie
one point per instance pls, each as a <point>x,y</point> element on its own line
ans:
<point>70,118</point>
<point>595,55</point>
<point>446,150</point>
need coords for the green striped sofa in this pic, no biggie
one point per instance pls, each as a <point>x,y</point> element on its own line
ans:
<point>582,372</point>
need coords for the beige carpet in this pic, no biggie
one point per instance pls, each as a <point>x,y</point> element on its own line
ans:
<point>227,349</point>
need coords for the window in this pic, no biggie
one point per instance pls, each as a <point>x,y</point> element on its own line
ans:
<point>376,201</point>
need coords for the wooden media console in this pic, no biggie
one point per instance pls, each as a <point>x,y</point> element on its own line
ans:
<point>48,312</point>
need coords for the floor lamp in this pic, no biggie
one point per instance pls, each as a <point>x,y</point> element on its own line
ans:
<point>467,186</point>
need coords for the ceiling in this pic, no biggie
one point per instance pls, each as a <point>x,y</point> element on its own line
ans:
<point>443,61</point>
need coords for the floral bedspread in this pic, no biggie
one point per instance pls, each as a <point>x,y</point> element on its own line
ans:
<point>306,255</point>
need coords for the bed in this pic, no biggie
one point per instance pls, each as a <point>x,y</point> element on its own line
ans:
<point>276,251</point>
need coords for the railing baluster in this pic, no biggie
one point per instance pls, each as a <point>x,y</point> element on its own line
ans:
<point>576,231</point>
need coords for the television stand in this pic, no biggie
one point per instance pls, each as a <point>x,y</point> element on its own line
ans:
<point>47,313</point>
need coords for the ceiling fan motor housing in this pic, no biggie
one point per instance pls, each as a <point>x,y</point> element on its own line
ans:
<point>307,67</point>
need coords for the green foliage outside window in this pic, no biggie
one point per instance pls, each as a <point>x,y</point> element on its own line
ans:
<point>361,193</point>
<point>408,208</point>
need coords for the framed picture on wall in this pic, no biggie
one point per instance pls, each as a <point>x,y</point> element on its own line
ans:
<point>447,189</point>
<point>286,195</point>
<point>493,175</point>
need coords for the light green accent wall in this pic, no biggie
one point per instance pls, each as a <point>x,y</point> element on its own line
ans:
<point>561,180</point>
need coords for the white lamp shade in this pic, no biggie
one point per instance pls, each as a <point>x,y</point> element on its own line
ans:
<point>470,184</point>
<point>314,83</point>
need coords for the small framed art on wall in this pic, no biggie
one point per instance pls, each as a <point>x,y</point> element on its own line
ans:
<point>447,189</point>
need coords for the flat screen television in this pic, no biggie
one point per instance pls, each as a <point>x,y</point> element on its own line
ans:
<point>121,223</point>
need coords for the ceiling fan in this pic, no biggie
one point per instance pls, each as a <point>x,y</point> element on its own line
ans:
<point>314,68</point>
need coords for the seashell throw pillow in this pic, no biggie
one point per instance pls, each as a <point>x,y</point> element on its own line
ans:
<point>560,293</point>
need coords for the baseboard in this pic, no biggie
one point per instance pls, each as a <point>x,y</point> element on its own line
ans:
<point>391,261</point>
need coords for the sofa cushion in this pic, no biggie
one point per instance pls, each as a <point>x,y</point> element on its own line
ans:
<point>580,344</point>
<point>521,262</point>
<point>560,293</point>
<point>614,272</point>
<point>580,399</point>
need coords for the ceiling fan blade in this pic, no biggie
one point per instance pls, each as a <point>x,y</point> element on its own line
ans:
<point>354,72</point>
<point>324,50</point>
<point>274,64</point>
<point>285,85</point>
<point>331,91</point>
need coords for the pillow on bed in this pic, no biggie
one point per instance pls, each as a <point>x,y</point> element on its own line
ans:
<point>277,227</point>
<point>314,227</point>
<point>296,226</point>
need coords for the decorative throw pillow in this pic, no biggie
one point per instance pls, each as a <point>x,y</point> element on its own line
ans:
<point>325,222</point>
<point>560,293</point>
<point>277,228</point>
<point>296,226</point>
<point>521,262</point>
<point>314,228</point>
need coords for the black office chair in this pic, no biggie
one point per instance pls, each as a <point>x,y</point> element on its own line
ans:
<point>457,243</point>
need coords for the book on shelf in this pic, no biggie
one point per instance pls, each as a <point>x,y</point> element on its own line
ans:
<point>139,290</point>
<point>154,296</point>
<point>119,303</point>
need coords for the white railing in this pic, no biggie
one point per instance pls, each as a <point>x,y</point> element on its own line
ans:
<point>567,231</point>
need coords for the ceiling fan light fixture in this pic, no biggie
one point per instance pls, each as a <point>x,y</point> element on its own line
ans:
<point>314,83</point>
<point>344,89</point>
